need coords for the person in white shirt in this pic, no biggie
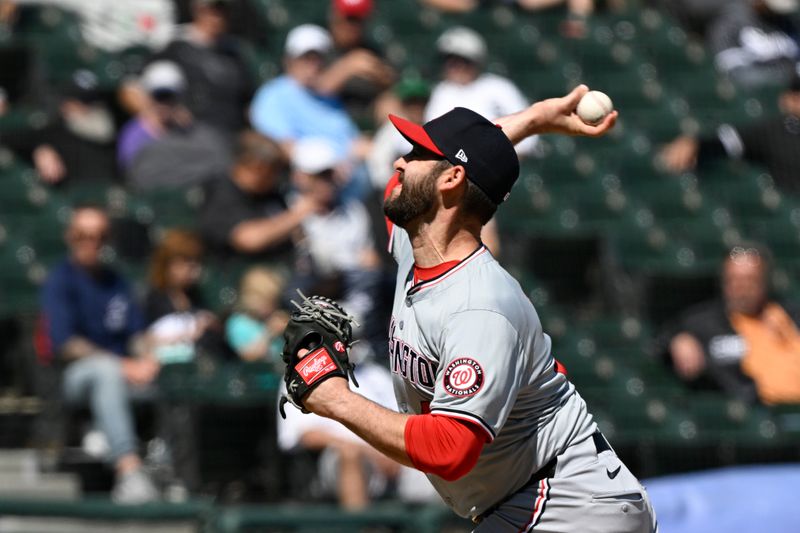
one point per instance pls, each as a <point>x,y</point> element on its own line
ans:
<point>464,82</point>
<point>114,25</point>
<point>348,467</point>
<point>338,248</point>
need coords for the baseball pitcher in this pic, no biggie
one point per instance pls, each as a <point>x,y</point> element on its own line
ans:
<point>485,409</point>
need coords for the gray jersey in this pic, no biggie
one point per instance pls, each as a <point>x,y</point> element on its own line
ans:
<point>469,344</point>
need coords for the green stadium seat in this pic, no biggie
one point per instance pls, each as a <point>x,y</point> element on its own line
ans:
<point>85,193</point>
<point>532,209</point>
<point>43,232</point>
<point>397,517</point>
<point>611,332</point>
<point>55,35</point>
<point>173,207</point>
<point>635,414</point>
<point>781,233</point>
<point>20,277</point>
<point>184,515</point>
<point>747,192</point>
<point>23,118</point>
<point>640,244</point>
<point>219,292</point>
<point>669,198</point>
<point>541,80</point>
<point>220,383</point>
<point>22,192</point>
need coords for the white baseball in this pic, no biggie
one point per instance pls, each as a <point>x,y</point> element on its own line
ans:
<point>594,106</point>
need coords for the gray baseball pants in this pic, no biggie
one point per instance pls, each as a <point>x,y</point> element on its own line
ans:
<point>589,491</point>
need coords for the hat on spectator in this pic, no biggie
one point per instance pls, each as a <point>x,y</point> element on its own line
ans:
<point>782,7</point>
<point>314,155</point>
<point>412,89</point>
<point>83,85</point>
<point>353,8</point>
<point>307,38</point>
<point>163,76</point>
<point>465,138</point>
<point>462,42</point>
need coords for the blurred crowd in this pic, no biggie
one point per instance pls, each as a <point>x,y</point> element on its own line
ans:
<point>293,171</point>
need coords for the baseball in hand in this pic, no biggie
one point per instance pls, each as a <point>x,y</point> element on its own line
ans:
<point>594,106</point>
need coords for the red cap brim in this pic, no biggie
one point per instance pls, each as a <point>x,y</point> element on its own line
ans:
<point>415,134</point>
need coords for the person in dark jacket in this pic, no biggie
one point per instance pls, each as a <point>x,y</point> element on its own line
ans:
<point>94,330</point>
<point>744,342</point>
<point>772,142</point>
<point>79,145</point>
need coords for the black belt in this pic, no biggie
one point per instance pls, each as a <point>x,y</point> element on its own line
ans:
<point>548,471</point>
<point>600,442</point>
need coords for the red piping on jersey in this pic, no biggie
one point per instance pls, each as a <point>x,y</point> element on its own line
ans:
<point>443,446</point>
<point>435,281</point>
<point>466,417</point>
<point>428,273</point>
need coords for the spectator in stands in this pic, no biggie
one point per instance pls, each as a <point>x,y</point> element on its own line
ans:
<point>246,214</point>
<point>745,343</point>
<point>773,142</point>
<point>246,20</point>
<point>464,83</point>
<point>218,83</point>
<point>574,26</point>
<point>694,15</point>
<point>338,248</point>
<point>578,11</point>
<point>348,468</point>
<point>164,146</point>
<point>756,42</point>
<point>410,98</point>
<point>290,107</point>
<point>113,25</point>
<point>94,329</point>
<point>254,329</point>
<point>174,308</point>
<point>358,71</point>
<point>79,146</point>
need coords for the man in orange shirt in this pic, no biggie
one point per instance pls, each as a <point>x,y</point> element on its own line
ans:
<point>745,336</point>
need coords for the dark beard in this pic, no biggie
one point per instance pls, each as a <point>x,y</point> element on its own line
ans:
<point>412,202</point>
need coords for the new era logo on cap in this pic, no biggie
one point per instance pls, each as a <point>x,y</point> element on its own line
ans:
<point>462,156</point>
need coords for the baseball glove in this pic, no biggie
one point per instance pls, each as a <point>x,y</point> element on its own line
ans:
<point>322,327</point>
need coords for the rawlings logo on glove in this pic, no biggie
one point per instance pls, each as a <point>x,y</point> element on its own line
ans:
<point>323,332</point>
<point>315,365</point>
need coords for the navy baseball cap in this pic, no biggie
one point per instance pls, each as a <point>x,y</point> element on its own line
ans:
<point>465,138</point>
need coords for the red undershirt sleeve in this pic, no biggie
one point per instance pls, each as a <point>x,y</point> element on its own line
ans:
<point>443,446</point>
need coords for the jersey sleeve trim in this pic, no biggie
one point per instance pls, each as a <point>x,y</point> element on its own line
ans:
<point>442,445</point>
<point>468,417</point>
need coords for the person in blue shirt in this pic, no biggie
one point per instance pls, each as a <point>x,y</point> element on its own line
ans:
<point>305,101</point>
<point>94,328</point>
<point>296,105</point>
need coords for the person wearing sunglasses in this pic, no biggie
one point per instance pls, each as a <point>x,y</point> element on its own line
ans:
<point>164,145</point>
<point>92,328</point>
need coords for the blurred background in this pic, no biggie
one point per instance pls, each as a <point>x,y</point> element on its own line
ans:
<point>171,171</point>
